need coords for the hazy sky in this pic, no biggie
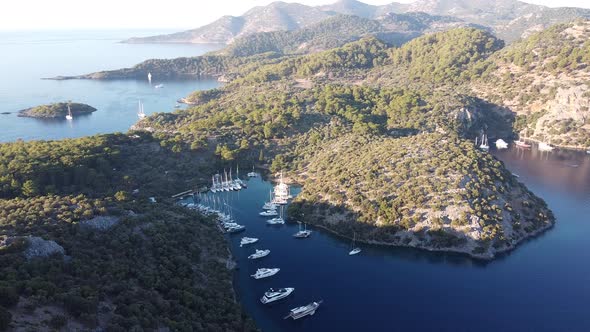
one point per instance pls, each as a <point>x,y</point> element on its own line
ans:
<point>181,14</point>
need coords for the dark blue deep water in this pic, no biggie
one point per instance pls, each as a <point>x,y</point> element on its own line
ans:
<point>544,285</point>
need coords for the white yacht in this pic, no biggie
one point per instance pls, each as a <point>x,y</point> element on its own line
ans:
<point>501,144</point>
<point>259,254</point>
<point>303,311</point>
<point>545,147</point>
<point>276,221</point>
<point>159,86</point>
<point>281,192</point>
<point>140,112</point>
<point>302,233</point>
<point>269,206</point>
<point>354,250</point>
<point>236,229</point>
<point>248,240</point>
<point>149,77</point>
<point>269,213</point>
<point>69,116</point>
<point>274,295</point>
<point>265,273</point>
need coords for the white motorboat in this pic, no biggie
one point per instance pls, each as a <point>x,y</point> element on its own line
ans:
<point>501,144</point>
<point>276,221</point>
<point>545,147</point>
<point>265,273</point>
<point>303,311</point>
<point>259,254</point>
<point>269,213</point>
<point>248,240</point>
<point>159,86</point>
<point>274,295</point>
<point>236,229</point>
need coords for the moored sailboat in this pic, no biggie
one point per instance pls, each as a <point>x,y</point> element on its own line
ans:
<point>69,116</point>
<point>302,233</point>
<point>354,250</point>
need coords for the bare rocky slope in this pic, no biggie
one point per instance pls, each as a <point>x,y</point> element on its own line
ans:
<point>509,19</point>
<point>545,81</point>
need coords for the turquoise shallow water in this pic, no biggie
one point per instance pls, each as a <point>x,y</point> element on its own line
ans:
<point>29,56</point>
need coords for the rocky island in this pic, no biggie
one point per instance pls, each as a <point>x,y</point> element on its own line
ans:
<point>56,110</point>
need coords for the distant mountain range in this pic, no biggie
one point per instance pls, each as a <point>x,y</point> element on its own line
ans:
<point>508,19</point>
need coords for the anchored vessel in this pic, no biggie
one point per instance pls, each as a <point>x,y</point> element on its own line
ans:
<point>269,213</point>
<point>69,116</point>
<point>265,273</point>
<point>274,295</point>
<point>303,311</point>
<point>354,250</point>
<point>302,233</point>
<point>140,112</point>
<point>248,240</point>
<point>259,254</point>
<point>501,144</point>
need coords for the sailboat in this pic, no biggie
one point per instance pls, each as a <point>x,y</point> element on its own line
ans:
<point>140,112</point>
<point>302,233</point>
<point>354,250</point>
<point>149,77</point>
<point>252,174</point>
<point>484,143</point>
<point>69,116</point>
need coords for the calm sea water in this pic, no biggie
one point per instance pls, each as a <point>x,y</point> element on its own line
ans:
<point>28,56</point>
<point>544,285</point>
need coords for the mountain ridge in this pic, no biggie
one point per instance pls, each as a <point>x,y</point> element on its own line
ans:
<point>508,19</point>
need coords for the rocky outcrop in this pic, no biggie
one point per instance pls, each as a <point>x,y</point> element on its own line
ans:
<point>101,223</point>
<point>39,247</point>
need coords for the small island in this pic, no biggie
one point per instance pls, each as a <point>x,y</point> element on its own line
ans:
<point>56,110</point>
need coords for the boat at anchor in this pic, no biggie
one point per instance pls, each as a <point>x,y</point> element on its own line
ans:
<point>303,311</point>
<point>265,273</point>
<point>274,295</point>
<point>259,254</point>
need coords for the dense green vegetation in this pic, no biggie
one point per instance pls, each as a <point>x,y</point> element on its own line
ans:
<point>329,33</point>
<point>164,267</point>
<point>56,110</point>
<point>436,183</point>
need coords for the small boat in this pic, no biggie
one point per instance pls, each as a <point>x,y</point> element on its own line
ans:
<point>274,295</point>
<point>140,112</point>
<point>522,144</point>
<point>252,174</point>
<point>588,151</point>
<point>69,116</point>
<point>303,311</point>
<point>177,106</point>
<point>501,144</point>
<point>269,206</point>
<point>484,143</point>
<point>159,86</point>
<point>248,240</point>
<point>236,229</point>
<point>276,221</point>
<point>302,233</point>
<point>269,213</point>
<point>259,254</point>
<point>149,77</point>
<point>354,250</point>
<point>265,273</point>
<point>545,147</point>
